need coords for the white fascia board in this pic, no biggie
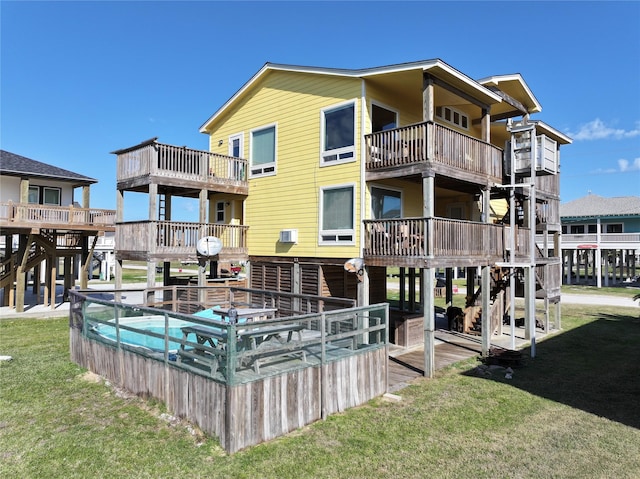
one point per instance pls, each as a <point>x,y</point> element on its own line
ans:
<point>360,73</point>
<point>552,132</point>
<point>496,79</point>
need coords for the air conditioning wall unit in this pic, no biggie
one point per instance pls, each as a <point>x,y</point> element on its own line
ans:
<point>288,236</point>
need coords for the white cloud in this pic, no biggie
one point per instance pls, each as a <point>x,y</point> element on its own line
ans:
<point>626,165</point>
<point>597,130</point>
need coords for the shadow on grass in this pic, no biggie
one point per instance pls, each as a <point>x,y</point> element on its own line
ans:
<point>594,367</point>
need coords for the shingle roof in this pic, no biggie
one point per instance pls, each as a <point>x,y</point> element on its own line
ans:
<point>16,165</point>
<point>594,205</point>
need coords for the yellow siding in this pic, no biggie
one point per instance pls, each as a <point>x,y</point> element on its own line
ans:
<point>290,199</point>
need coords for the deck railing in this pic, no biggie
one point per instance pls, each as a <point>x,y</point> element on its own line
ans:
<point>429,141</point>
<point>263,378</point>
<point>17,214</point>
<point>410,237</point>
<point>354,328</point>
<point>606,239</point>
<point>177,237</point>
<point>157,159</point>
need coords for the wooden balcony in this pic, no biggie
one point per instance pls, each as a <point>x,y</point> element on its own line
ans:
<point>607,241</point>
<point>176,241</point>
<point>412,149</point>
<point>432,243</point>
<point>24,216</point>
<point>180,168</point>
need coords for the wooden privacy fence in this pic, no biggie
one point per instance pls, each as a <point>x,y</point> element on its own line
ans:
<point>241,381</point>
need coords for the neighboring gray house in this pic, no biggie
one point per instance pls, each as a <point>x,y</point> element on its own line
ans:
<point>600,239</point>
<point>41,223</point>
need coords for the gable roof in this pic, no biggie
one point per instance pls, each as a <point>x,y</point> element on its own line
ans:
<point>511,87</point>
<point>594,206</point>
<point>17,165</point>
<point>435,66</point>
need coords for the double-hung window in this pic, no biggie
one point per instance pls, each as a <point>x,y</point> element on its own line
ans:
<point>337,215</point>
<point>263,151</point>
<point>338,134</point>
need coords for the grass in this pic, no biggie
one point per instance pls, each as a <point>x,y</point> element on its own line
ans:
<point>622,290</point>
<point>570,412</point>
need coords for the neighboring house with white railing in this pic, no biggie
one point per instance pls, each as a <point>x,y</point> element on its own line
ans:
<point>41,223</point>
<point>600,239</point>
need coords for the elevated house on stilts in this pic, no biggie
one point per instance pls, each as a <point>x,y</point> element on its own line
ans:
<point>312,170</point>
<point>321,182</point>
<point>46,233</point>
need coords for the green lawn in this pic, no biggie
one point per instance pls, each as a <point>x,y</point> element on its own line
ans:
<point>570,412</point>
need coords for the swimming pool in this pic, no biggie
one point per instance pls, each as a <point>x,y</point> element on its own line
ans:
<point>154,324</point>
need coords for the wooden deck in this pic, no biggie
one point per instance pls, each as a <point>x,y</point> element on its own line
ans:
<point>450,348</point>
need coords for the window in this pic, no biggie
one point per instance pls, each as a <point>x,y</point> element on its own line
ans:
<point>385,203</point>
<point>383,119</point>
<point>34,195</point>
<point>236,145</point>
<point>236,149</point>
<point>220,212</point>
<point>456,211</point>
<point>614,228</point>
<point>577,229</point>
<point>455,117</point>
<point>44,195</point>
<point>337,215</point>
<point>51,196</point>
<point>263,151</point>
<point>338,134</point>
<point>592,229</point>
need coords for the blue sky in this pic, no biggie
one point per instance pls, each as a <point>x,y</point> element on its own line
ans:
<point>81,79</point>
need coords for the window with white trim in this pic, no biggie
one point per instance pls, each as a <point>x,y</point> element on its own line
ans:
<point>263,151</point>
<point>337,215</point>
<point>236,149</point>
<point>220,212</point>
<point>45,195</point>
<point>236,145</point>
<point>453,116</point>
<point>614,228</point>
<point>51,196</point>
<point>338,134</point>
<point>34,195</point>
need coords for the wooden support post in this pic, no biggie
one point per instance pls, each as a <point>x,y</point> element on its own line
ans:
<point>486,310</point>
<point>118,280</point>
<point>21,276</point>
<point>429,312</point>
<point>47,280</point>
<point>429,274</point>
<point>448,273</point>
<point>151,281</point>
<point>54,274</point>
<point>68,277</point>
